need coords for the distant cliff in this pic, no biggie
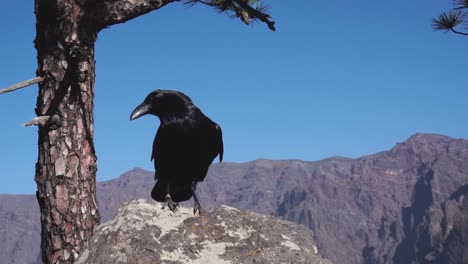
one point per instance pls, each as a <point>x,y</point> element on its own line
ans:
<point>408,203</point>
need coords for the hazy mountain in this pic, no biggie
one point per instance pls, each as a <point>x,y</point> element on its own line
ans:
<point>398,206</point>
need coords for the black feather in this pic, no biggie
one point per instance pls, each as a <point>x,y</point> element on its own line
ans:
<point>185,145</point>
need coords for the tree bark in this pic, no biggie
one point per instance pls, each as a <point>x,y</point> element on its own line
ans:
<point>66,166</point>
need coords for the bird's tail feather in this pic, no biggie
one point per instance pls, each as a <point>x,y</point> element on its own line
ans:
<point>178,192</point>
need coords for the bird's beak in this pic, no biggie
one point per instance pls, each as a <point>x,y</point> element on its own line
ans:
<point>140,110</point>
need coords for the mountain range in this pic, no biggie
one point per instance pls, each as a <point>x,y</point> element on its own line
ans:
<point>405,205</point>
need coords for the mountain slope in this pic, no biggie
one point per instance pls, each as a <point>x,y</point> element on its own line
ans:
<point>406,203</point>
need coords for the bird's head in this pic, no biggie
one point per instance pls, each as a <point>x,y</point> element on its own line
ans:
<point>163,104</point>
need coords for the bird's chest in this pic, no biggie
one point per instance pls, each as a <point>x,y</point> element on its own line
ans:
<point>178,142</point>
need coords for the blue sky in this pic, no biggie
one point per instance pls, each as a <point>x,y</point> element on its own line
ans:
<point>338,78</point>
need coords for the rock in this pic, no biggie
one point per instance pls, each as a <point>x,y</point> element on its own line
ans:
<point>142,232</point>
<point>442,233</point>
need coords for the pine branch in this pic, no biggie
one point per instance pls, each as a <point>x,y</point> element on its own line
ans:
<point>105,13</point>
<point>459,32</point>
<point>455,17</point>
<point>257,13</point>
<point>242,9</point>
<point>22,85</point>
<point>43,120</point>
<point>448,21</point>
<point>460,4</point>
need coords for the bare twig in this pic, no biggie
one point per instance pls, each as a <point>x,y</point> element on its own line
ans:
<point>459,32</point>
<point>43,120</point>
<point>22,85</point>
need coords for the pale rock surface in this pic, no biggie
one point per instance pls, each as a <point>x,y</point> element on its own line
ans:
<point>142,232</point>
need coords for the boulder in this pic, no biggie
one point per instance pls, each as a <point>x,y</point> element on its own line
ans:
<point>143,232</point>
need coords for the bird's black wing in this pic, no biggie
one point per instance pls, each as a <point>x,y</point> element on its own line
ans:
<point>210,144</point>
<point>219,143</point>
<point>183,151</point>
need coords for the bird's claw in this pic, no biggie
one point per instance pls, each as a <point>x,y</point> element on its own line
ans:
<point>173,206</point>
<point>197,208</point>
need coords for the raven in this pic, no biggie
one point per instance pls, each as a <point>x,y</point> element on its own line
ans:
<point>185,145</point>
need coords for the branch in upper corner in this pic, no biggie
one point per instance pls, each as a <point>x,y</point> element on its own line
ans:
<point>459,32</point>
<point>22,85</point>
<point>460,4</point>
<point>448,21</point>
<point>258,12</point>
<point>52,121</point>
<point>106,13</point>
<point>246,10</point>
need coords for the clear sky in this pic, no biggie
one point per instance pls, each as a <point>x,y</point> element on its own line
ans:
<point>338,78</point>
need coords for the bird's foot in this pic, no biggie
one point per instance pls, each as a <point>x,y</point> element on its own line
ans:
<point>173,206</point>
<point>197,208</point>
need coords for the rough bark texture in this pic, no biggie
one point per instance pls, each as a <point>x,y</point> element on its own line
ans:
<point>66,167</point>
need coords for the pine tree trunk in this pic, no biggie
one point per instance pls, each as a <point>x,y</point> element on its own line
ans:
<point>66,167</point>
<point>66,31</point>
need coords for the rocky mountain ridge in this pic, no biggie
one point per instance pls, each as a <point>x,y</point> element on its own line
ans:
<point>407,203</point>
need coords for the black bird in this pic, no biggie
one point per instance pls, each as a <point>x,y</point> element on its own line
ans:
<point>185,145</point>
